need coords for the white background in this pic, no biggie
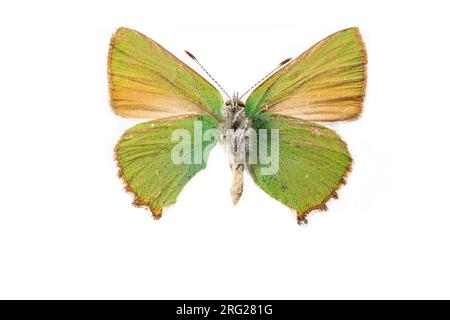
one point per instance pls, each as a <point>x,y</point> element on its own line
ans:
<point>68,230</point>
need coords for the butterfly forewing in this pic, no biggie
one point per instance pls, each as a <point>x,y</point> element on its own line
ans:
<point>326,83</point>
<point>147,81</point>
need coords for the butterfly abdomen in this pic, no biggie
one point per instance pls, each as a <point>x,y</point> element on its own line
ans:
<point>237,186</point>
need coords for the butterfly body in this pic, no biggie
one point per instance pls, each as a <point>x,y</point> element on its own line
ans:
<point>234,133</point>
<point>273,134</point>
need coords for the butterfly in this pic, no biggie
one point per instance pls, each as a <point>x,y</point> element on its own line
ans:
<point>325,83</point>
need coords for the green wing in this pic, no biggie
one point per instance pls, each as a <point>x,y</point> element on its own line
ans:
<point>147,81</point>
<point>313,163</point>
<point>144,158</point>
<point>326,83</point>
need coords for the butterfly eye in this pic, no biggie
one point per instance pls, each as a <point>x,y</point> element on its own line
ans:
<point>241,104</point>
<point>228,103</point>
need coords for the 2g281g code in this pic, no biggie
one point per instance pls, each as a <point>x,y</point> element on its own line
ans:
<point>229,309</point>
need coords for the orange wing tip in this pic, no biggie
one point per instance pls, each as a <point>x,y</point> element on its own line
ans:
<point>301,218</point>
<point>156,212</point>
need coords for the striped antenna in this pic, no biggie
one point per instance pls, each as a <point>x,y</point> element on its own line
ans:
<point>282,63</point>
<point>203,68</point>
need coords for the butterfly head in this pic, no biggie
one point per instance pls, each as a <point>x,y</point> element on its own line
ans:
<point>235,103</point>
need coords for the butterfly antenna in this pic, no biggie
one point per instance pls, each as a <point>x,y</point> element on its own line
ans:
<point>209,75</point>
<point>282,63</point>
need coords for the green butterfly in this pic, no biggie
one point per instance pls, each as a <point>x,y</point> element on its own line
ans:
<point>326,83</point>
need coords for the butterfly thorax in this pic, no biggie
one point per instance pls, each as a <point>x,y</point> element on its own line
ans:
<point>234,133</point>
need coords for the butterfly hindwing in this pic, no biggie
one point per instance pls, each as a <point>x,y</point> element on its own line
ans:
<point>144,156</point>
<point>313,163</point>
<point>326,83</point>
<point>147,81</point>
